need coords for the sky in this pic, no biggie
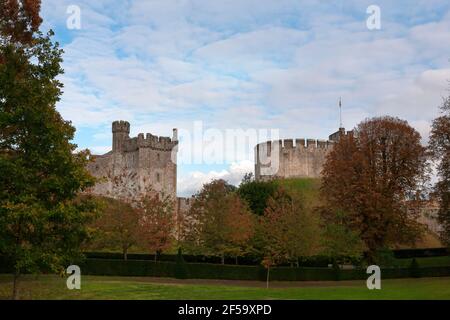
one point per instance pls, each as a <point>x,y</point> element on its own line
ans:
<point>261,68</point>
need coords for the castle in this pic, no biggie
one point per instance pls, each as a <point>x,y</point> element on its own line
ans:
<point>140,164</point>
<point>136,165</point>
<point>283,159</point>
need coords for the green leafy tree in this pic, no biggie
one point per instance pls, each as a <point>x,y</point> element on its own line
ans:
<point>42,223</point>
<point>256,193</point>
<point>440,151</point>
<point>339,241</point>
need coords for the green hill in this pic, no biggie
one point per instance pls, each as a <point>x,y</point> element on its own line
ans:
<point>308,187</point>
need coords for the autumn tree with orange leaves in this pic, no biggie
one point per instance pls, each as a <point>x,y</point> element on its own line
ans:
<point>156,222</point>
<point>218,223</point>
<point>287,231</point>
<point>369,176</point>
<point>117,226</point>
<point>19,20</point>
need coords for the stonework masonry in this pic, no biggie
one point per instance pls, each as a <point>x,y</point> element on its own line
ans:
<point>284,159</point>
<point>136,165</point>
<point>143,163</point>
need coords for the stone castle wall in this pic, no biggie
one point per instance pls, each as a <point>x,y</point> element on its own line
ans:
<point>136,165</point>
<point>299,158</point>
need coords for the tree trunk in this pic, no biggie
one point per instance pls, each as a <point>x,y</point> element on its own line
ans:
<point>236,260</point>
<point>223,258</point>
<point>267,279</point>
<point>125,253</point>
<point>15,293</point>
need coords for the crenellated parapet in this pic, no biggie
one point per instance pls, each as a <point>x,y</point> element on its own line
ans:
<point>289,158</point>
<point>300,144</point>
<point>121,126</point>
<point>149,141</point>
<point>136,164</point>
<point>123,143</point>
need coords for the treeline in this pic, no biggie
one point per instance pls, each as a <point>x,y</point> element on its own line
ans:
<point>371,180</point>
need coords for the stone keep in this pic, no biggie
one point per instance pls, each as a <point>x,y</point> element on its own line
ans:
<point>136,165</point>
<point>284,159</point>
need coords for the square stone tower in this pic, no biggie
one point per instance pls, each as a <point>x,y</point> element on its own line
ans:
<point>136,165</point>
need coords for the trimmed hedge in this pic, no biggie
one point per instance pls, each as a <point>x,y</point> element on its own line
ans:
<point>315,261</point>
<point>146,268</point>
<point>420,253</point>
<point>172,258</point>
<point>111,267</point>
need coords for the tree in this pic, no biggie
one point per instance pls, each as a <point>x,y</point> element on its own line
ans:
<point>42,223</point>
<point>256,193</point>
<point>369,176</point>
<point>218,222</point>
<point>239,223</point>
<point>118,225</point>
<point>339,241</point>
<point>19,20</point>
<point>440,152</point>
<point>156,223</point>
<point>287,230</point>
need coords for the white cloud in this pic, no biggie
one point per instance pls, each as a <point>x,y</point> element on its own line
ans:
<point>192,182</point>
<point>243,64</point>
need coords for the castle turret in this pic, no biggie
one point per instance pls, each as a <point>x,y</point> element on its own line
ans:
<point>175,135</point>
<point>121,132</point>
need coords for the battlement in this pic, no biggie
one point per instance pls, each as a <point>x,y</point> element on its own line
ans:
<point>293,158</point>
<point>121,126</point>
<point>300,144</point>
<point>149,141</point>
<point>123,143</point>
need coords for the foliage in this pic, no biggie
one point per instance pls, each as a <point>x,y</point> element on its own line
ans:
<point>256,194</point>
<point>287,230</point>
<point>156,222</point>
<point>385,257</point>
<point>339,242</point>
<point>218,223</point>
<point>118,225</point>
<point>440,151</point>
<point>414,269</point>
<point>19,20</point>
<point>370,175</point>
<point>41,222</point>
<point>180,267</point>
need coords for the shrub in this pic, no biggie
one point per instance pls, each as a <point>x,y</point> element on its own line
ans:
<point>180,267</point>
<point>414,269</point>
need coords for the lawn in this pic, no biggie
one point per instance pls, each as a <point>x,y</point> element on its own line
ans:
<point>96,287</point>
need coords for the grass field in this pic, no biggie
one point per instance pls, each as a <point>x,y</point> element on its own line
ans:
<point>95,287</point>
